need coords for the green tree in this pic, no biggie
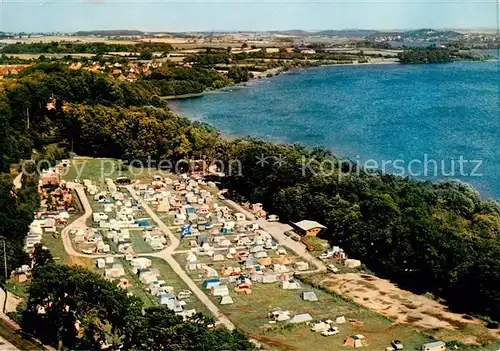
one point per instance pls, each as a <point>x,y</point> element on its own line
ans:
<point>160,329</point>
<point>41,256</point>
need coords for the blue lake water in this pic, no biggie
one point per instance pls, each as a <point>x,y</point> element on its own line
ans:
<point>380,113</point>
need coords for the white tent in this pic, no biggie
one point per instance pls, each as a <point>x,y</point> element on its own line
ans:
<point>101,263</point>
<point>218,257</point>
<point>279,315</point>
<point>340,320</point>
<point>290,285</point>
<point>269,278</point>
<point>219,290</point>
<point>256,248</point>
<point>249,262</point>
<point>261,254</point>
<point>191,258</point>
<point>301,318</point>
<point>226,300</point>
<point>309,296</point>
<point>302,266</point>
<point>225,243</point>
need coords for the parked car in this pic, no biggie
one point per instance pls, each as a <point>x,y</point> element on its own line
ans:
<point>331,331</point>
<point>295,237</point>
<point>184,294</point>
<point>325,256</point>
<point>273,218</point>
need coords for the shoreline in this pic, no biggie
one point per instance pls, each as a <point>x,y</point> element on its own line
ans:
<point>280,70</point>
<point>274,72</point>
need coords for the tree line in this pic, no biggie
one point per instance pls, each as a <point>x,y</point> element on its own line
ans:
<point>83,48</point>
<point>438,55</point>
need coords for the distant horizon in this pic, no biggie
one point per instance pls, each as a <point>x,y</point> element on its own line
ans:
<point>442,29</point>
<point>185,16</point>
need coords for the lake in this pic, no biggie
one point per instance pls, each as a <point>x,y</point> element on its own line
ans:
<point>425,121</point>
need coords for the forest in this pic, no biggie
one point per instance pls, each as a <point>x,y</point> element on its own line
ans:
<point>437,237</point>
<point>438,55</point>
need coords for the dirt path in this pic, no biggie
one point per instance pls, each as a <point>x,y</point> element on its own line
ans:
<point>79,223</point>
<point>12,301</point>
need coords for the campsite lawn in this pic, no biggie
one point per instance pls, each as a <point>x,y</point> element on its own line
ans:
<point>139,289</point>
<point>136,287</point>
<point>172,279</point>
<point>56,247</point>
<point>18,289</point>
<point>97,169</point>
<point>249,313</point>
<point>140,245</point>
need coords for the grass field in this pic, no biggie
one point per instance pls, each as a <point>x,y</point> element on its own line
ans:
<point>140,246</point>
<point>97,169</point>
<point>56,247</point>
<point>249,313</point>
<point>18,289</point>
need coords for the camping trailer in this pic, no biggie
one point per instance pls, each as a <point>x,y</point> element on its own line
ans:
<point>434,346</point>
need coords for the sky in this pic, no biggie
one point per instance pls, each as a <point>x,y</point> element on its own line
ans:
<point>254,15</point>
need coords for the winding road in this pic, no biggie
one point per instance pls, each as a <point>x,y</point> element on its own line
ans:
<point>79,223</point>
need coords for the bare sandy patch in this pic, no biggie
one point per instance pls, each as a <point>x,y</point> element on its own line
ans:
<point>401,306</point>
